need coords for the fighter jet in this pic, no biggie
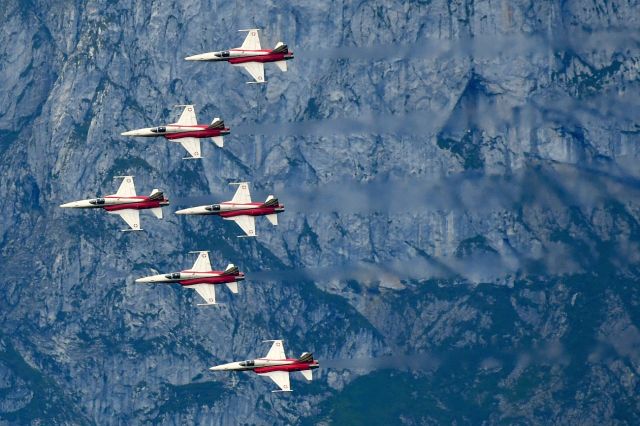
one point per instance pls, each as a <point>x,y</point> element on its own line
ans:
<point>187,132</point>
<point>275,365</point>
<point>200,278</point>
<point>126,203</point>
<point>250,56</point>
<point>241,210</point>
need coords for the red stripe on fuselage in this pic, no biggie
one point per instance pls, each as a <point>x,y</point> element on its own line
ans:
<point>145,203</point>
<point>258,211</point>
<point>271,57</point>
<point>298,366</point>
<point>222,279</point>
<point>203,133</point>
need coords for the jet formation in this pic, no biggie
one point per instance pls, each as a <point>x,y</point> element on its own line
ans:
<point>240,209</point>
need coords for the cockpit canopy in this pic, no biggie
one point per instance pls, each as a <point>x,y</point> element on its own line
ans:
<point>161,129</point>
<point>249,363</point>
<point>213,208</point>
<point>173,276</point>
<point>97,201</point>
<point>223,54</point>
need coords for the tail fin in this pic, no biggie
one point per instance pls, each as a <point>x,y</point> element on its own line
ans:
<point>231,270</point>
<point>156,194</point>
<point>280,48</point>
<point>306,357</point>
<point>271,201</point>
<point>217,123</point>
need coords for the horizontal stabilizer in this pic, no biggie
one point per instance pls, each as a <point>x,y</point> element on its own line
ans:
<point>273,218</point>
<point>157,212</point>
<point>217,123</point>
<point>233,287</point>
<point>280,48</point>
<point>308,374</point>
<point>218,140</point>
<point>282,65</point>
<point>231,270</point>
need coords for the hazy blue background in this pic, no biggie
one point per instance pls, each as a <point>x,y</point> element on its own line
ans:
<point>462,227</point>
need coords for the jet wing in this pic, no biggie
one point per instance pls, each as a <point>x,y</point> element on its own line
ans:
<point>242,195</point>
<point>247,223</point>
<point>202,263</point>
<point>276,351</point>
<point>131,216</point>
<point>192,145</point>
<point>281,378</point>
<point>127,188</point>
<point>188,116</point>
<point>207,292</point>
<point>252,41</point>
<point>256,69</point>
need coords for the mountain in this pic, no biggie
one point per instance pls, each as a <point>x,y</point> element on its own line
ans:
<point>462,229</point>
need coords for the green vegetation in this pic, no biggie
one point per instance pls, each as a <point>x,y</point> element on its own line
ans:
<point>181,398</point>
<point>465,149</point>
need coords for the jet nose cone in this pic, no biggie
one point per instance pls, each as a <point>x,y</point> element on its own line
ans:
<point>139,132</point>
<point>201,57</point>
<point>192,210</point>
<point>216,368</point>
<point>144,280</point>
<point>70,205</point>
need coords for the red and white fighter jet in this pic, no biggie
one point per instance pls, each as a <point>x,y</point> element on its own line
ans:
<point>125,203</point>
<point>187,132</point>
<point>275,365</point>
<point>241,210</point>
<point>200,278</point>
<point>250,56</point>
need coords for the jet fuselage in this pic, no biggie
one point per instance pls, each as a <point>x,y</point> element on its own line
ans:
<point>240,56</point>
<point>115,203</point>
<point>262,365</point>
<point>229,209</point>
<point>174,131</point>
<point>188,277</point>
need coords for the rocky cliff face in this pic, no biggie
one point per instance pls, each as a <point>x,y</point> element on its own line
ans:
<point>462,202</point>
